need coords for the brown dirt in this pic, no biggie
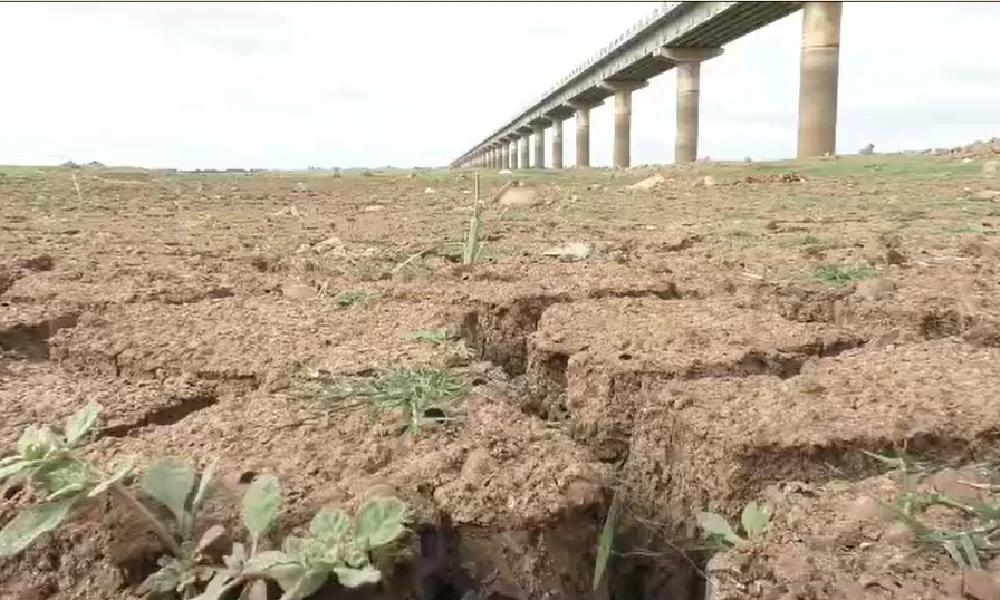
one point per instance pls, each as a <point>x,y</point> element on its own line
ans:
<point>694,360</point>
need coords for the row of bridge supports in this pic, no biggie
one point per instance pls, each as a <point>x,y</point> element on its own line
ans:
<point>817,129</point>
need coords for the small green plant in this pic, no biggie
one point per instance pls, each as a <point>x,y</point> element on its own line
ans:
<point>836,274</point>
<point>472,247</point>
<point>607,540</point>
<point>346,299</point>
<point>350,549</point>
<point>970,546</point>
<point>754,521</point>
<point>419,393</point>
<point>434,336</point>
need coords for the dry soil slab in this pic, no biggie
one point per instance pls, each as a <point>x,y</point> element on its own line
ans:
<point>718,443</point>
<point>607,354</point>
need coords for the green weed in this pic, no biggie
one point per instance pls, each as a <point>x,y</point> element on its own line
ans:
<point>434,336</point>
<point>347,299</point>
<point>969,546</point>
<point>754,522</point>
<point>348,548</point>
<point>837,274</point>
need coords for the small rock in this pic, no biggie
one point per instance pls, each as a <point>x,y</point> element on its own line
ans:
<point>519,196</point>
<point>708,180</point>
<point>991,167</point>
<point>894,257</point>
<point>301,187</point>
<point>298,291</point>
<point>330,243</point>
<point>429,190</point>
<point>984,195</point>
<point>478,464</point>
<point>647,183</point>
<point>966,160</point>
<point>572,252</point>
<point>374,208</point>
<point>505,172</point>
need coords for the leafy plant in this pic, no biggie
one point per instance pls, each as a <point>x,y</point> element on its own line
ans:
<point>435,336</point>
<point>968,546</point>
<point>835,274</point>
<point>417,392</point>
<point>606,542</point>
<point>347,548</point>
<point>346,299</point>
<point>754,522</point>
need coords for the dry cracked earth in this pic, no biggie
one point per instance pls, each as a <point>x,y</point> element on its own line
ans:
<point>736,333</point>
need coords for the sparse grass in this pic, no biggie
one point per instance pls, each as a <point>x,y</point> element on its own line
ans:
<point>754,522</point>
<point>422,395</point>
<point>838,274</point>
<point>435,336</point>
<point>968,546</point>
<point>347,299</point>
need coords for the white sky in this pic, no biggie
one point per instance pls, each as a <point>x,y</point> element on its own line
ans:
<point>288,85</point>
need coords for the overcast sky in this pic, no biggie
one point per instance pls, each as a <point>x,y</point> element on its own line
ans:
<point>289,85</point>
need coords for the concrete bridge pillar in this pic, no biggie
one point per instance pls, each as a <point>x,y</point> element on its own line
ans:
<point>557,144</point>
<point>539,146</point>
<point>525,152</point>
<point>504,160</point>
<point>623,120</point>
<point>583,131</point>
<point>688,98</point>
<point>512,153</point>
<point>818,78</point>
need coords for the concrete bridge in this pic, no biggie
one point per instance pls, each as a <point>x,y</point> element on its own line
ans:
<point>677,35</point>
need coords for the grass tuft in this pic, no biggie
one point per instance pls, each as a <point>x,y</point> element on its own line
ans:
<point>836,274</point>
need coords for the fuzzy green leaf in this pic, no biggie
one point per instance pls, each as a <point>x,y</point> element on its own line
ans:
<point>306,585</point>
<point>169,482</point>
<point>330,526</point>
<point>61,474</point>
<point>121,471</point>
<point>716,525</point>
<point>212,535</point>
<point>380,521</point>
<point>78,425</point>
<point>285,570</point>
<point>38,441</point>
<point>260,505</point>
<point>607,539</point>
<point>13,468</point>
<point>352,578</point>
<point>31,522</point>
<point>204,484</point>
<point>220,583</point>
<point>755,518</point>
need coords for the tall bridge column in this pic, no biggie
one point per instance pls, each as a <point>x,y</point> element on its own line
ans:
<point>818,77</point>
<point>557,143</point>
<point>525,152</point>
<point>583,130</point>
<point>504,160</point>
<point>623,119</point>
<point>688,98</point>
<point>539,139</point>
<point>512,152</point>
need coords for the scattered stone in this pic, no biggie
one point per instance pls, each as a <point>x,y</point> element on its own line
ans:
<point>868,150</point>
<point>429,190</point>
<point>985,195</point>
<point>301,187</point>
<point>991,167</point>
<point>571,252</point>
<point>506,172</point>
<point>330,243</point>
<point>966,160</point>
<point>894,257</point>
<point>374,208</point>
<point>647,183</point>
<point>708,180</point>
<point>519,196</point>
<point>295,290</point>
